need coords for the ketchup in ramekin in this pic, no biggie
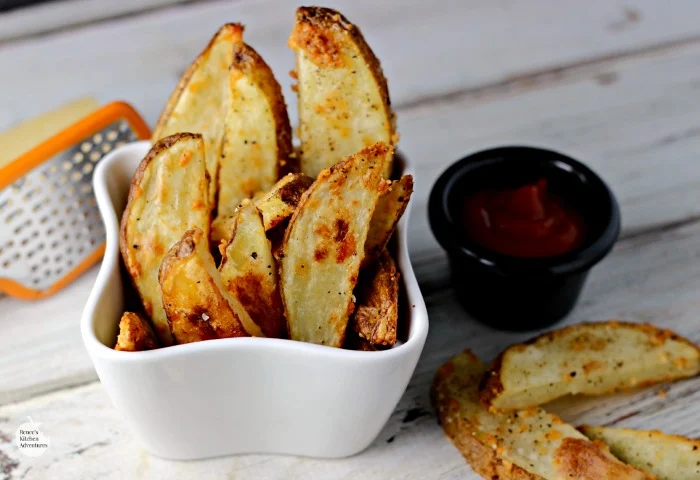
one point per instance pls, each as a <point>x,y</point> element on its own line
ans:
<point>522,227</point>
<point>528,221</point>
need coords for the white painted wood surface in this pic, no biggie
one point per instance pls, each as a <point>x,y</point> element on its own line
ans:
<point>46,18</point>
<point>616,84</point>
<point>427,48</point>
<point>90,441</point>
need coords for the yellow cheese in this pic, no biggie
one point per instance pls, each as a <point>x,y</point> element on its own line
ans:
<point>27,135</point>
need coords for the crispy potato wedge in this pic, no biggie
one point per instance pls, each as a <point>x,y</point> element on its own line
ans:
<point>323,246</point>
<point>276,205</point>
<point>195,300</point>
<point>279,203</point>
<point>167,197</point>
<point>590,359</point>
<point>390,208</point>
<point>525,445</point>
<point>202,98</point>
<point>377,313</point>
<point>668,457</point>
<point>135,334</point>
<point>249,272</point>
<point>354,342</point>
<point>343,96</point>
<point>257,138</point>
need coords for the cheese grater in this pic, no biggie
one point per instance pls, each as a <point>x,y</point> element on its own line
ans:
<point>50,228</point>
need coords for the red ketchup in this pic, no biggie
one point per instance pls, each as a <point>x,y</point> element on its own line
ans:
<point>527,221</point>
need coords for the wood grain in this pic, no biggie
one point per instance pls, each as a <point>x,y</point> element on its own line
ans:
<point>628,119</point>
<point>613,83</point>
<point>41,345</point>
<point>42,19</point>
<point>427,48</point>
<point>662,289</point>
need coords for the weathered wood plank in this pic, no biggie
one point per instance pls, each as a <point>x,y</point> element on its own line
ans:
<point>51,17</point>
<point>461,72</point>
<point>88,436</point>
<point>629,119</point>
<point>41,345</point>
<point>426,48</point>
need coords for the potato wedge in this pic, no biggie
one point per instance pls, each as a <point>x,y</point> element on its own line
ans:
<point>322,247</point>
<point>257,139</point>
<point>195,300</point>
<point>167,197</point>
<point>390,208</point>
<point>590,359</point>
<point>135,334</point>
<point>354,342</point>
<point>377,313</point>
<point>668,457</point>
<point>276,205</point>
<point>343,96</point>
<point>249,272</point>
<point>527,444</point>
<point>279,203</point>
<point>202,98</point>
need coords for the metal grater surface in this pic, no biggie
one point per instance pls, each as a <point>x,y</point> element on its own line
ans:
<point>49,221</point>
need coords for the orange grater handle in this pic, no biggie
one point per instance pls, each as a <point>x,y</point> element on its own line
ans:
<point>67,138</point>
<point>70,136</point>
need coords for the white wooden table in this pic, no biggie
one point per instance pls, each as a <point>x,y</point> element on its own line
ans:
<point>614,83</point>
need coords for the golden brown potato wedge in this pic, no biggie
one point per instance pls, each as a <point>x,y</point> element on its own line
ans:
<point>343,96</point>
<point>590,359</point>
<point>668,457</point>
<point>257,138</point>
<point>323,246</point>
<point>202,98</point>
<point>279,203</point>
<point>168,196</point>
<point>135,334</point>
<point>377,313</point>
<point>276,205</point>
<point>195,300</point>
<point>390,208</point>
<point>527,444</point>
<point>354,342</point>
<point>249,272</point>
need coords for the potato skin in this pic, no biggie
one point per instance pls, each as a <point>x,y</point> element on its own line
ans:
<point>276,205</point>
<point>390,208</point>
<point>483,458</point>
<point>354,342</point>
<point>135,334</point>
<point>377,313</point>
<point>340,84</point>
<point>150,225</point>
<point>589,349</point>
<point>669,457</point>
<point>201,98</point>
<point>581,459</point>
<point>249,272</point>
<point>236,31</point>
<point>257,139</point>
<point>312,21</point>
<point>526,444</point>
<point>279,203</point>
<point>323,246</point>
<point>194,298</point>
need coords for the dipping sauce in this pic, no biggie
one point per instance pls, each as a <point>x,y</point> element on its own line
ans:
<point>527,221</point>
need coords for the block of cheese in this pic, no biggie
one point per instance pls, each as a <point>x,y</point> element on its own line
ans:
<point>30,133</point>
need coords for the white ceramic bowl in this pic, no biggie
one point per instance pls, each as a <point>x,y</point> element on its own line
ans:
<point>241,395</point>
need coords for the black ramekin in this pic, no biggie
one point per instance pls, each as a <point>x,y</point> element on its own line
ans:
<point>521,293</point>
